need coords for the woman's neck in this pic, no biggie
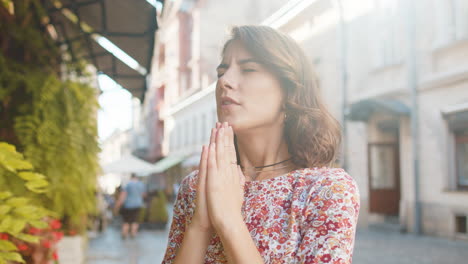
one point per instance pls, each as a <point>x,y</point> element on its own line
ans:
<point>261,149</point>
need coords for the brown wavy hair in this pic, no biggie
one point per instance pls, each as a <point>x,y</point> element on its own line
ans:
<point>313,135</point>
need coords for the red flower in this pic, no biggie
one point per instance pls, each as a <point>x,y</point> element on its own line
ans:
<point>55,255</point>
<point>72,232</point>
<point>57,236</point>
<point>34,231</point>
<point>55,224</point>
<point>46,243</point>
<point>4,236</point>
<point>22,247</point>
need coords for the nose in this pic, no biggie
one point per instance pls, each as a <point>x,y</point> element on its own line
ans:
<point>227,81</point>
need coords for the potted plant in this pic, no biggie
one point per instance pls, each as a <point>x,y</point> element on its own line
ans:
<point>157,215</point>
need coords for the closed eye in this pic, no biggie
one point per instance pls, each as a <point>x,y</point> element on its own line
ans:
<point>249,70</point>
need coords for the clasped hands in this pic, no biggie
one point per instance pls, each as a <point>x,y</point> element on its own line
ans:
<point>220,188</point>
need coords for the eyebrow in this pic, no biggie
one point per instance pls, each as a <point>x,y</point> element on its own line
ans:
<point>240,62</point>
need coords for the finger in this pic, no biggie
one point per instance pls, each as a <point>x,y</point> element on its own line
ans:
<point>220,160</point>
<point>218,125</point>
<point>213,135</point>
<point>211,160</point>
<point>202,168</point>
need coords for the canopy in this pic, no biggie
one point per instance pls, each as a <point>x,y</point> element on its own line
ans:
<point>129,164</point>
<point>129,25</point>
<point>362,110</point>
<point>168,162</point>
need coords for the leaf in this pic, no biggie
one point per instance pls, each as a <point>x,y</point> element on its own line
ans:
<point>6,245</point>
<point>27,237</point>
<point>5,224</point>
<point>17,201</point>
<point>5,195</point>
<point>11,159</point>
<point>30,176</point>
<point>38,186</point>
<point>13,256</point>
<point>17,225</point>
<point>29,212</point>
<point>38,224</point>
<point>4,209</point>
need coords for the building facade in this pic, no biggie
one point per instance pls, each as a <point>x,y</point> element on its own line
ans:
<point>394,72</point>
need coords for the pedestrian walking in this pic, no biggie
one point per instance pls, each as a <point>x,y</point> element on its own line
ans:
<point>266,190</point>
<point>129,204</point>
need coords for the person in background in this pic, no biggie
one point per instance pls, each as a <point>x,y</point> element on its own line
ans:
<point>131,201</point>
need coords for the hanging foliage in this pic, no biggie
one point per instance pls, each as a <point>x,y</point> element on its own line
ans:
<point>49,118</point>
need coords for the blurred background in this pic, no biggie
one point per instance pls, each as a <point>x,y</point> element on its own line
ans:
<point>94,91</point>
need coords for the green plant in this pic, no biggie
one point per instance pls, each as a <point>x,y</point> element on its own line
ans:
<point>19,185</point>
<point>48,117</point>
<point>142,215</point>
<point>158,210</point>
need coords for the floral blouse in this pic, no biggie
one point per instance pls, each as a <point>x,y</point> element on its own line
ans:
<point>306,216</point>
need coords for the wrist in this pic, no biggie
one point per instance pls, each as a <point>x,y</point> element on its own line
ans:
<point>200,229</point>
<point>229,225</point>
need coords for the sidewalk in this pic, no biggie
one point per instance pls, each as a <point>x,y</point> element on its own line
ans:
<point>147,248</point>
<point>391,247</point>
<point>373,246</point>
<point>109,248</point>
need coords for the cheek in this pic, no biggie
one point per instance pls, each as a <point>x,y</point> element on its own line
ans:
<point>267,94</point>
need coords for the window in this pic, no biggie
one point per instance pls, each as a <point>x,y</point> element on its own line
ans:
<point>461,224</point>
<point>195,130</point>
<point>461,158</point>
<point>186,130</point>
<point>383,166</point>
<point>451,20</point>
<point>388,31</point>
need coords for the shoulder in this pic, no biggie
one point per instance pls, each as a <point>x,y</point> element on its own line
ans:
<point>336,181</point>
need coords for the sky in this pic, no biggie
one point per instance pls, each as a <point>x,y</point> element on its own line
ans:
<point>116,107</point>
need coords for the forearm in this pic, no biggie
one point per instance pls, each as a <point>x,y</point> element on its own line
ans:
<point>238,244</point>
<point>193,247</point>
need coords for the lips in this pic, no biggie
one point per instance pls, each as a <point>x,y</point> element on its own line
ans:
<point>225,100</point>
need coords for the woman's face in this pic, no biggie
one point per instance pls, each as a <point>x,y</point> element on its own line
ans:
<point>248,96</point>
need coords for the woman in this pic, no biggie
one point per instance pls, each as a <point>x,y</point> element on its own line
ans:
<point>264,191</point>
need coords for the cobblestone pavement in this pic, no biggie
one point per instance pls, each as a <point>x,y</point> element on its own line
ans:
<point>373,246</point>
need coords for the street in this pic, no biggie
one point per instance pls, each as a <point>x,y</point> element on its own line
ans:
<point>373,245</point>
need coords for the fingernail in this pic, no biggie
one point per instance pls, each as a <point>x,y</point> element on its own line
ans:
<point>225,124</point>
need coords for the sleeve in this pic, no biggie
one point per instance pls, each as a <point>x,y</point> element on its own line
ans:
<point>179,219</point>
<point>330,219</point>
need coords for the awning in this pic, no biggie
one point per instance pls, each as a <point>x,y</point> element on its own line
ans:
<point>168,162</point>
<point>362,110</point>
<point>129,25</point>
<point>191,161</point>
<point>129,164</point>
